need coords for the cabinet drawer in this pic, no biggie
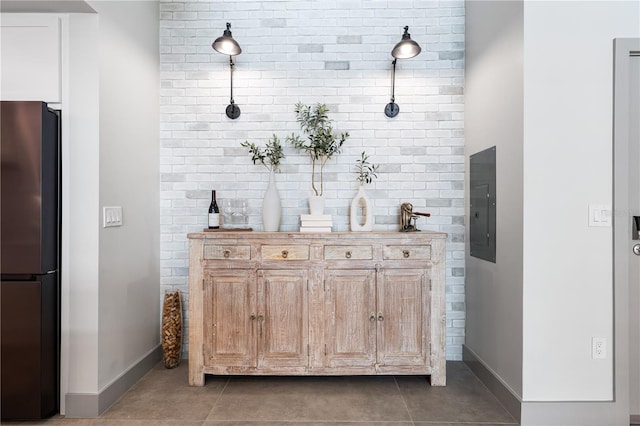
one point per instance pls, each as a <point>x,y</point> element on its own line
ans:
<point>407,252</point>
<point>348,252</point>
<point>217,252</point>
<point>285,252</point>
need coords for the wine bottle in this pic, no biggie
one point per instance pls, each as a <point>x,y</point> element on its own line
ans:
<point>214,212</point>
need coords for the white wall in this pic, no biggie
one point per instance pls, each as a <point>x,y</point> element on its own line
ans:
<point>568,294</point>
<point>333,52</point>
<point>80,209</point>
<point>494,117</point>
<point>129,299</point>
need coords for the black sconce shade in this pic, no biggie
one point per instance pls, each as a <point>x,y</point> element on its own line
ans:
<point>406,48</point>
<point>225,44</point>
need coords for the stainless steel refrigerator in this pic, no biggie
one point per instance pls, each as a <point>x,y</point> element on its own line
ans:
<point>29,260</point>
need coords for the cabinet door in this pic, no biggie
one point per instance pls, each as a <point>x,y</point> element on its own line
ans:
<point>31,57</point>
<point>229,318</point>
<point>350,318</point>
<point>403,317</point>
<point>283,319</point>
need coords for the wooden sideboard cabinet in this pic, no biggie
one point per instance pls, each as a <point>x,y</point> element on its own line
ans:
<point>341,303</point>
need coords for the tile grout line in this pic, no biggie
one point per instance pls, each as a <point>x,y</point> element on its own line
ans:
<point>406,407</point>
<point>215,404</point>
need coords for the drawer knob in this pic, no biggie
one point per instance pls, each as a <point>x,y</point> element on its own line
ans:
<point>348,254</point>
<point>380,317</point>
<point>372,317</point>
<point>285,253</point>
<point>405,253</point>
<point>226,253</point>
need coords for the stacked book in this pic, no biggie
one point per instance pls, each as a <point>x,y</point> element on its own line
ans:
<point>315,223</point>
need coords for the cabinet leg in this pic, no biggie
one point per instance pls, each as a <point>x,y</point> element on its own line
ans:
<point>438,379</point>
<point>196,377</point>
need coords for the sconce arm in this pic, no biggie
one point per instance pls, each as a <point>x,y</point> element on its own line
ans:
<point>393,81</point>
<point>231,65</point>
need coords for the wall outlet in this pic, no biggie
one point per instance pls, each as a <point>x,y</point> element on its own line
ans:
<point>599,348</point>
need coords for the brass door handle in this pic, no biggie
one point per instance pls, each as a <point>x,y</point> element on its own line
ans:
<point>285,253</point>
<point>226,253</point>
<point>380,317</point>
<point>260,318</point>
<point>253,317</point>
<point>372,317</point>
<point>405,253</point>
<point>348,254</point>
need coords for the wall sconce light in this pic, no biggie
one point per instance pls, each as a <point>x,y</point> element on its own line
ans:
<point>228,46</point>
<point>405,49</point>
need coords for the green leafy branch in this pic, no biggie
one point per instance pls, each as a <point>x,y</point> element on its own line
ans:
<point>321,141</point>
<point>270,156</point>
<point>366,171</point>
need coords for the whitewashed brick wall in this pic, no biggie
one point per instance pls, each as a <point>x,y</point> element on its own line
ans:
<point>335,52</point>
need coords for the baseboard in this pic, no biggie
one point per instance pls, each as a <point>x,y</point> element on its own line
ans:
<point>635,419</point>
<point>81,405</point>
<point>504,395</point>
<point>84,405</point>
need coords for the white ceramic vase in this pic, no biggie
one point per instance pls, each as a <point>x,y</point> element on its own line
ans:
<point>316,204</point>
<point>365,222</point>
<point>271,206</point>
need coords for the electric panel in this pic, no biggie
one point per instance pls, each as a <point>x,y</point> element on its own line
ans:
<point>482,211</point>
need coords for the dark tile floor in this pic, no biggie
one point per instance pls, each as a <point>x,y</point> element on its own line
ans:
<point>163,397</point>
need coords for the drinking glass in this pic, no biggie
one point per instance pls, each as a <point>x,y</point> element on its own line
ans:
<point>234,213</point>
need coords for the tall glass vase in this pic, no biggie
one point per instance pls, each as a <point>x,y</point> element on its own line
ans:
<point>271,206</point>
<point>361,203</point>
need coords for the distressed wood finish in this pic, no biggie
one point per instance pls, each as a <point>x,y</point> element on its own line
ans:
<point>283,326</point>
<point>392,252</point>
<point>230,310</point>
<point>348,252</point>
<point>317,304</point>
<point>350,318</point>
<point>403,326</point>
<point>285,252</point>
<point>438,314</point>
<point>212,251</point>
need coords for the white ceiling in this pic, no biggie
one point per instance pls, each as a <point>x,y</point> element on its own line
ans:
<point>45,6</point>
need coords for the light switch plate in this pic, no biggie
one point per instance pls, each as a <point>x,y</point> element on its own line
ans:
<point>600,215</point>
<point>111,216</point>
